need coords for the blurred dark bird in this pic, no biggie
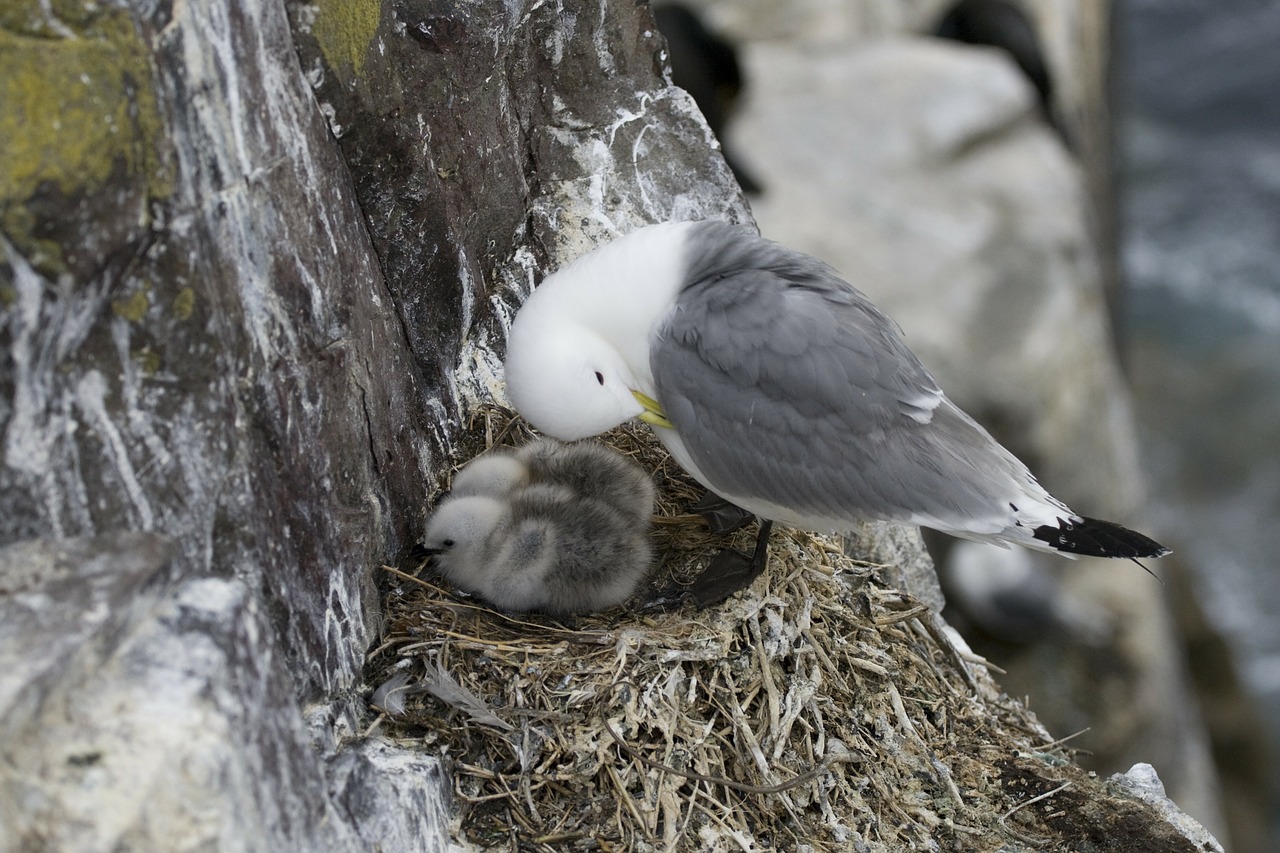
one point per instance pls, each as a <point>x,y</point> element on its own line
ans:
<point>706,66</point>
<point>1005,595</point>
<point>1002,24</point>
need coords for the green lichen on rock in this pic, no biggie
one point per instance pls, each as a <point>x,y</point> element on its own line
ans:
<point>132,308</point>
<point>77,106</point>
<point>18,222</point>
<point>344,29</point>
<point>51,19</point>
<point>184,304</point>
<point>148,360</point>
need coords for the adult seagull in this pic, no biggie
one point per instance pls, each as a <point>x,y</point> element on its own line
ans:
<point>778,386</point>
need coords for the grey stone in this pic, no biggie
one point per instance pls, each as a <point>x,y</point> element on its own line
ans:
<point>222,371</point>
<point>61,599</point>
<point>1142,782</point>
<point>146,710</point>
<point>902,551</point>
<point>816,22</point>
<point>392,795</point>
<point>490,142</point>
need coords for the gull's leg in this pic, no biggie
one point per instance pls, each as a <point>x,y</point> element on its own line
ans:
<point>730,571</point>
<point>720,515</point>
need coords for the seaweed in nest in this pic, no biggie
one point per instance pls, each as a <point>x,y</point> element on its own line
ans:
<point>809,711</point>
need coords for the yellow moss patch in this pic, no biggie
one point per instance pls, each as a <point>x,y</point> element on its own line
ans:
<point>41,253</point>
<point>71,108</point>
<point>184,304</point>
<point>134,308</point>
<point>344,29</point>
<point>148,360</point>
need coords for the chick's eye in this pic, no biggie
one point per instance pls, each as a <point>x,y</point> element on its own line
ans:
<point>600,377</point>
<point>448,543</point>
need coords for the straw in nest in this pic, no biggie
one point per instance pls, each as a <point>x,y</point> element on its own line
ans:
<point>809,711</point>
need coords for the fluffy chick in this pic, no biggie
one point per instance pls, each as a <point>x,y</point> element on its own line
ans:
<point>541,547</point>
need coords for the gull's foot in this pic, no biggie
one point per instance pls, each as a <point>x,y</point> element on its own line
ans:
<point>731,571</point>
<point>728,572</point>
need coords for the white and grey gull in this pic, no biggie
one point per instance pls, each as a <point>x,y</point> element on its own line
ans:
<point>780,387</point>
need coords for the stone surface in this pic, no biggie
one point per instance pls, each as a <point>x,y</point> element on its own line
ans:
<point>819,21</point>
<point>1075,38</point>
<point>488,142</point>
<point>202,359</point>
<point>902,551</point>
<point>140,709</point>
<point>1142,782</point>
<point>392,796</point>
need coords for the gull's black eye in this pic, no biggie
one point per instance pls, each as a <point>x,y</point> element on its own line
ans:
<point>448,543</point>
<point>600,377</point>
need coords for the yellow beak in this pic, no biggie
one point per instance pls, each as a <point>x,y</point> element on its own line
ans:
<point>652,414</point>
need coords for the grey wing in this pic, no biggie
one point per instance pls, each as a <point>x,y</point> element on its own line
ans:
<point>786,384</point>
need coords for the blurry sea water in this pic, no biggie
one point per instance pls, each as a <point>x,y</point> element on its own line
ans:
<point>1199,135</point>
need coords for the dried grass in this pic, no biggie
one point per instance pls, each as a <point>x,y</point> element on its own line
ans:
<point>817,710</point>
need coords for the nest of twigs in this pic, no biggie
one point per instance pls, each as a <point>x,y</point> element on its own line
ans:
<point>818,709</point>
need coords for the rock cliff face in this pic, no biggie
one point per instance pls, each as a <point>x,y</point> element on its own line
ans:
<point>198,344</point>
<point>255,262</point>
<point>224,326</point>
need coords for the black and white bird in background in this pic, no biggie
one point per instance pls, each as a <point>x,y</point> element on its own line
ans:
<point>779,387</point>
<point>556,528</point>
<point>1006,26</point>
<point>705,64</point>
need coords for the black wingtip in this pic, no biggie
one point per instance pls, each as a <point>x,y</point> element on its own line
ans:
<point>1090,537</point>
